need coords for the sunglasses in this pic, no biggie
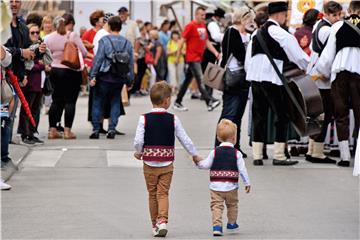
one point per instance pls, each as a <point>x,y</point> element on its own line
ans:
<point>33,33</point>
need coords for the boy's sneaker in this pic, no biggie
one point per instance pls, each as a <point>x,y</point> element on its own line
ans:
<point>217,231</point>
<point>161,229</point>
<point>155,229</point>
<point>180,107</point>
<point>213,104</point>
<point>3,185</point>
<point>232,227</point>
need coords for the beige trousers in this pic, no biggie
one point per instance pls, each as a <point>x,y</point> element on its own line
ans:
<point>158,180</point>
<point>217,206</point>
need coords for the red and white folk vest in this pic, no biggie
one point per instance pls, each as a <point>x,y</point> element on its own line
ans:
<point>159,138</point>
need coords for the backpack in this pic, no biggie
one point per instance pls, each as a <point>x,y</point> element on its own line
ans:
<point>119,61</point>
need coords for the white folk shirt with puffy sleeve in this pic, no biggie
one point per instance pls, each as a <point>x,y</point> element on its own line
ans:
<point>330,63</point>
<point>179,133</point>
<point>323,35</point>
<point>226,186</point>
<point>259,69</point>
<point>215,31</point>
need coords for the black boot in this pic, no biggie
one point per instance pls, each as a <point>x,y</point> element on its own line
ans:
<point>343,163</point>
<point>258,162</point>
<point>322,160</point>
<point>265,156</point>
<point>284,162</point>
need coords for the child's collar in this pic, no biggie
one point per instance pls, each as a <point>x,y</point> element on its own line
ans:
<point>226,144</point>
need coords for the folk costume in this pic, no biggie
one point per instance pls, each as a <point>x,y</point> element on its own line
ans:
<point>320,37</point>
<point>155,139</point>
<point>340,62</point>
<point>267,88</point>
<point>226,164</point>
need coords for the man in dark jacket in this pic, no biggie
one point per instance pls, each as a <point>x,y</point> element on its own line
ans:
<point>18,45</point>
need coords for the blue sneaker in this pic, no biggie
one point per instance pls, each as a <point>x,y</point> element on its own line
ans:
<point>217,231</point>
<point>232,227</point>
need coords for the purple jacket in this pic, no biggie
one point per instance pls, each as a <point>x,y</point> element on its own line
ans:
<point>34,78</point>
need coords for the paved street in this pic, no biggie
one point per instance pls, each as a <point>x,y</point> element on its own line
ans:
<point>94,189</point>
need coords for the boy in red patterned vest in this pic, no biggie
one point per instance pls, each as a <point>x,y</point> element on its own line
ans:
<point>225,163</point>
<point>155,145</point>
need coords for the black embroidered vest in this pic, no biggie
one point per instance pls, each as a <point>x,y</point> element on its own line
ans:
<point>347,37</point>
<point>275,49</point>
<point>159,137</point>
<point>224,167</point>
<point>317,46</point>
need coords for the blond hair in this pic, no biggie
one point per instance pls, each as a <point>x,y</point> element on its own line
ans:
<point>226,130</point>
<point>241,14</point>
<point>46,19</point>
<point>159,92</point>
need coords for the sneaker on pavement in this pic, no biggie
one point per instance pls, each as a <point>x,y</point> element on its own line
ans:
<point>27,141</point>
<point>3,185</point>
<point>217,231</point>
<point>155,230</point>
<point>180,107</point>
<point>161,229</point>
<point>213,104</point>
<point>37,140</point>
<point>94,135</point>
<point>232,227</point>
<point>111,134</point>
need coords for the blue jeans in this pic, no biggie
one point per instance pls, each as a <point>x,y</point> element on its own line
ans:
<point>12,117</point>
<point>5,133</point>
<point>102,91</point>
<point>233,109</point>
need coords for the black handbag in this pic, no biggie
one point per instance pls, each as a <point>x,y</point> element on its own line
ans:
<point>48,87</point>
<point>235,79</point>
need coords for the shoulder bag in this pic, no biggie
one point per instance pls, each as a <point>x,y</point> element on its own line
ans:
<point>235,79</point>
<point>71,55</point>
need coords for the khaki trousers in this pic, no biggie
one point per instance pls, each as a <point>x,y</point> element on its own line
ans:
<point>158,180</point>
<point>217,206</point>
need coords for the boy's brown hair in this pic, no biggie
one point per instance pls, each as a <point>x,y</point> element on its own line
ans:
<point>225,130</point>
<point>159,92</point>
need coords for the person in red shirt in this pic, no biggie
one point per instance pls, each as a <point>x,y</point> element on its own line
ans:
<point>196,39</point>
<point>97,21</point>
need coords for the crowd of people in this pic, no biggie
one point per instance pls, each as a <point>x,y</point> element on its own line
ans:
<point>119,56</point>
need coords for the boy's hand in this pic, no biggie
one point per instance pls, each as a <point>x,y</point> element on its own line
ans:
<point>197,159</point>
<point>138,156</point>
<point>247,189</point>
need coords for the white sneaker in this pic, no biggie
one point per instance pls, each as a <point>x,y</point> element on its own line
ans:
<point>155,231</point>
<point>180,107</point>
<point>161,230</point>
<point>3,185</point>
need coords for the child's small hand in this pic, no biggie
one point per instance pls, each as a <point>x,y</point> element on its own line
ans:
<point>138,156</point>
<point>247,189</point>
<point>197,159</point>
